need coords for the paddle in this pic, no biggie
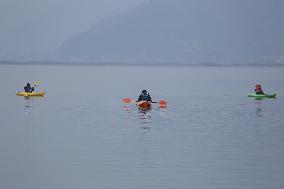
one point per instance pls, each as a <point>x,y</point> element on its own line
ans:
<point>129,100</point>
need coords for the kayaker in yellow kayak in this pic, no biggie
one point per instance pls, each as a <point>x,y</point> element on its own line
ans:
<point>258,89</point>
<point>29,89</point>
<point>144,96</point>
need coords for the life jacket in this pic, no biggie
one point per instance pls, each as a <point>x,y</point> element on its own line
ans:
<point>28,89</point>
<point>145,97</point>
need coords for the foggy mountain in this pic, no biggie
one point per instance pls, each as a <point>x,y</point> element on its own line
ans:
<point>32,30</point>
<point>190,31</point>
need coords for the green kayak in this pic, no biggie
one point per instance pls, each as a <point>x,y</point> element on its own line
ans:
<point>262,95</point>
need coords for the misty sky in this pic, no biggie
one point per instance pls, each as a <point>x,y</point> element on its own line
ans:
<point>193,31</point>
<point>132,30</point>
<point>37,26</point>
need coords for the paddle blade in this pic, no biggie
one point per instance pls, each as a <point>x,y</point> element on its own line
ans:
<point>162,102</point>
<point>36,83</point>
<point>127,100</point>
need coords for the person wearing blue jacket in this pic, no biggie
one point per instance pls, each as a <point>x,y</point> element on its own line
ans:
<point>144,96</point>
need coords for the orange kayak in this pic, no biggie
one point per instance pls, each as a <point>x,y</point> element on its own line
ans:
<point>144,104</point>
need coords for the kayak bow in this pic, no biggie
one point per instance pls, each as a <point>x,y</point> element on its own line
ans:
<point>144,104</point>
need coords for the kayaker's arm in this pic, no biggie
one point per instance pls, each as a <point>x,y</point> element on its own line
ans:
<point>149,98</point>
<point>31,89</point>
<point>139,98</point>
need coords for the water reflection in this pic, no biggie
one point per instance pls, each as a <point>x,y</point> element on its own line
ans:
<point>28,123</point>
<point>127,108</point>
<point>162,106</point>
<point>27,97</point>
<point>28,105</point>
<point>258,102</point>
<point>144,115</point>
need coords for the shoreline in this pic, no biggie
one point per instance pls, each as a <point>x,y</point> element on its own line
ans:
<point>139,64</point>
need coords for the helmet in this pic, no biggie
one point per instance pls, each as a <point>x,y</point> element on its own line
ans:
<point>144,92</point>
<point>28,84</point>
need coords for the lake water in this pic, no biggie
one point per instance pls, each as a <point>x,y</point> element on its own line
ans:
<point>80,135</point>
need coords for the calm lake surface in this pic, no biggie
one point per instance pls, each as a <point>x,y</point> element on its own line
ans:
<point>80,135</point>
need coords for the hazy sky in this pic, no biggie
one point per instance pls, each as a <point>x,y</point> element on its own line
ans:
<point>164,30</point>
<point>186,31</point>
<point>29,26</point>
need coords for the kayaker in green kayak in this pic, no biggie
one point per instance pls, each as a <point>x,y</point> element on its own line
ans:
<point>29,89</point>
<point>144,96</point>
<point>258,89</point>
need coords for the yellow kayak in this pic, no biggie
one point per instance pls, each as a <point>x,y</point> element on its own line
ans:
<point>30,94</point>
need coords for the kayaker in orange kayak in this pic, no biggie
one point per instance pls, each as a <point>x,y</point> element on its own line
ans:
<point>258,89</point>
<point>28,88</point>
<point>144,96</point>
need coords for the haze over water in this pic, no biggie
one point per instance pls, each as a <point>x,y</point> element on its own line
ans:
<point>80,135</point>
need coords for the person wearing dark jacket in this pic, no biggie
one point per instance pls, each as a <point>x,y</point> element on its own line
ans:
<point>258,89</point>
<point>144,96</point>
<point>28,88</point>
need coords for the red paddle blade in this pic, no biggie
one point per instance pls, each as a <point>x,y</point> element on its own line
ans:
<point>162,102</point>
<point>126,100</point>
